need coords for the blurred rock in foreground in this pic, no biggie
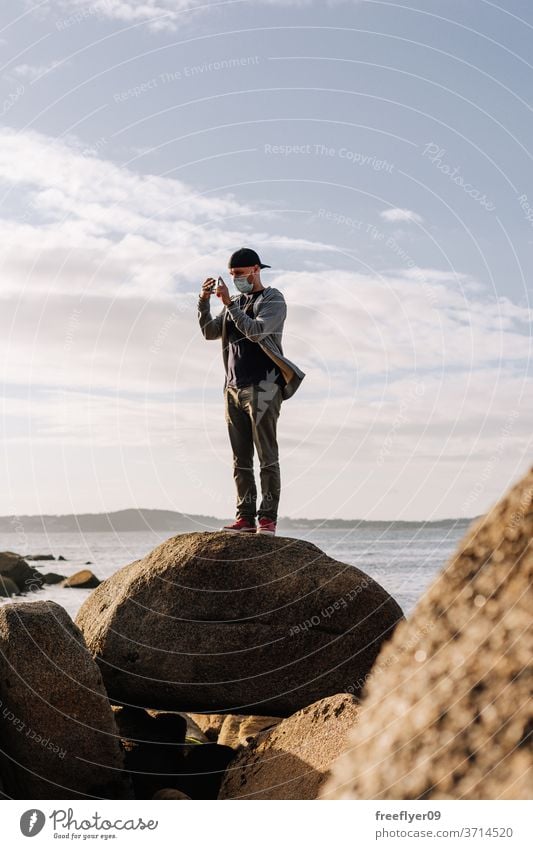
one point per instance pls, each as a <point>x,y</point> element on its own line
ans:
<point>448,713</point>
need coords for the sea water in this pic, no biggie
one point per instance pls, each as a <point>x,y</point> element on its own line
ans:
<point>404,560</point>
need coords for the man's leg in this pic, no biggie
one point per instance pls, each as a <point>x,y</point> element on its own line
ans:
<point>267,404</point>
<point>241,438</point>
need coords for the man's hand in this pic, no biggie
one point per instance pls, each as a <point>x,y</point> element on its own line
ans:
<point>222,292</point>
<point>207,291</point>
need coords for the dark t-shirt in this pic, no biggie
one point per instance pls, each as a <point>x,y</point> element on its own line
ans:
<point>247,362</point>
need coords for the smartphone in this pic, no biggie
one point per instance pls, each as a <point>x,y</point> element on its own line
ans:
<point>213,287</point>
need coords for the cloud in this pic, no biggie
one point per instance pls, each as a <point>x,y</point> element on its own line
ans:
<point>157,14</point>
<point>75,222</point>
<point>34,72</point>
<point>130,250</point>
<point>401,215</point>
<point>65,178</point>
<point>358,342</point>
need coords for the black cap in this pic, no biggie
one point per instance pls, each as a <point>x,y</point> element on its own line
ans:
<point>244,258</point>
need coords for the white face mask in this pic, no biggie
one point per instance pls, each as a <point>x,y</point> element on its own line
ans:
<point>242,284</point>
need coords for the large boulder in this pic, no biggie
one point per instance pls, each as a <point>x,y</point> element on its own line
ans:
<point>235,623</point>
<point>448,711</point>
<point>59,738</point>
<point>293,760</point>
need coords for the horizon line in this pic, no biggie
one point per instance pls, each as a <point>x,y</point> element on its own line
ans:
<point>216,518</point>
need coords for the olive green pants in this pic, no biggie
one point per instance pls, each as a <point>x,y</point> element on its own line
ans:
<point>251,414</point>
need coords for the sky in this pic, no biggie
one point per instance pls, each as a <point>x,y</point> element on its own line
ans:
<point>376,154</point>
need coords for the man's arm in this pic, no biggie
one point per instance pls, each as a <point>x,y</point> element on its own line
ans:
<point>270,318</point>
<point>210,327</point>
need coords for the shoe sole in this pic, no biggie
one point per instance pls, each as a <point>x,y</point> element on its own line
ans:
<point>239,530</point>
<point>269,533</point>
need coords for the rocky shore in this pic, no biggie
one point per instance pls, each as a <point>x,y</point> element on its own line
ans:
<point>18,577</point>
<point>232,667</point>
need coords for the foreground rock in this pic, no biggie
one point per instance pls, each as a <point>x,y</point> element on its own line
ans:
<point>194,733</point>
<point>238,731</point>
<point>154,747</point>
<point>448,713</point>
<point>59,738</point>
<point>231,729</point>
<point>209,723</point>
<point>162,757</point>
<point>225,622</point>
<point>293,760</point>
<point>203,770</point>
<point>170,793</point>
<point>153,727</point>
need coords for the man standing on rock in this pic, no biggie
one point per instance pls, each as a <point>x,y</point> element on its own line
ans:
<point>258,378</point>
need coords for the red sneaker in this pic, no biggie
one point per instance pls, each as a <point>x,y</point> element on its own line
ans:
<point>266,526</point>
<point>241,524</point>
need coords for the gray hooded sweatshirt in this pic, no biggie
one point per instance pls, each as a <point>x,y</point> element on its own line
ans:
<point>265,328</point>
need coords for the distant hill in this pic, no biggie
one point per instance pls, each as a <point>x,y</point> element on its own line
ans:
<point>139,519</point>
